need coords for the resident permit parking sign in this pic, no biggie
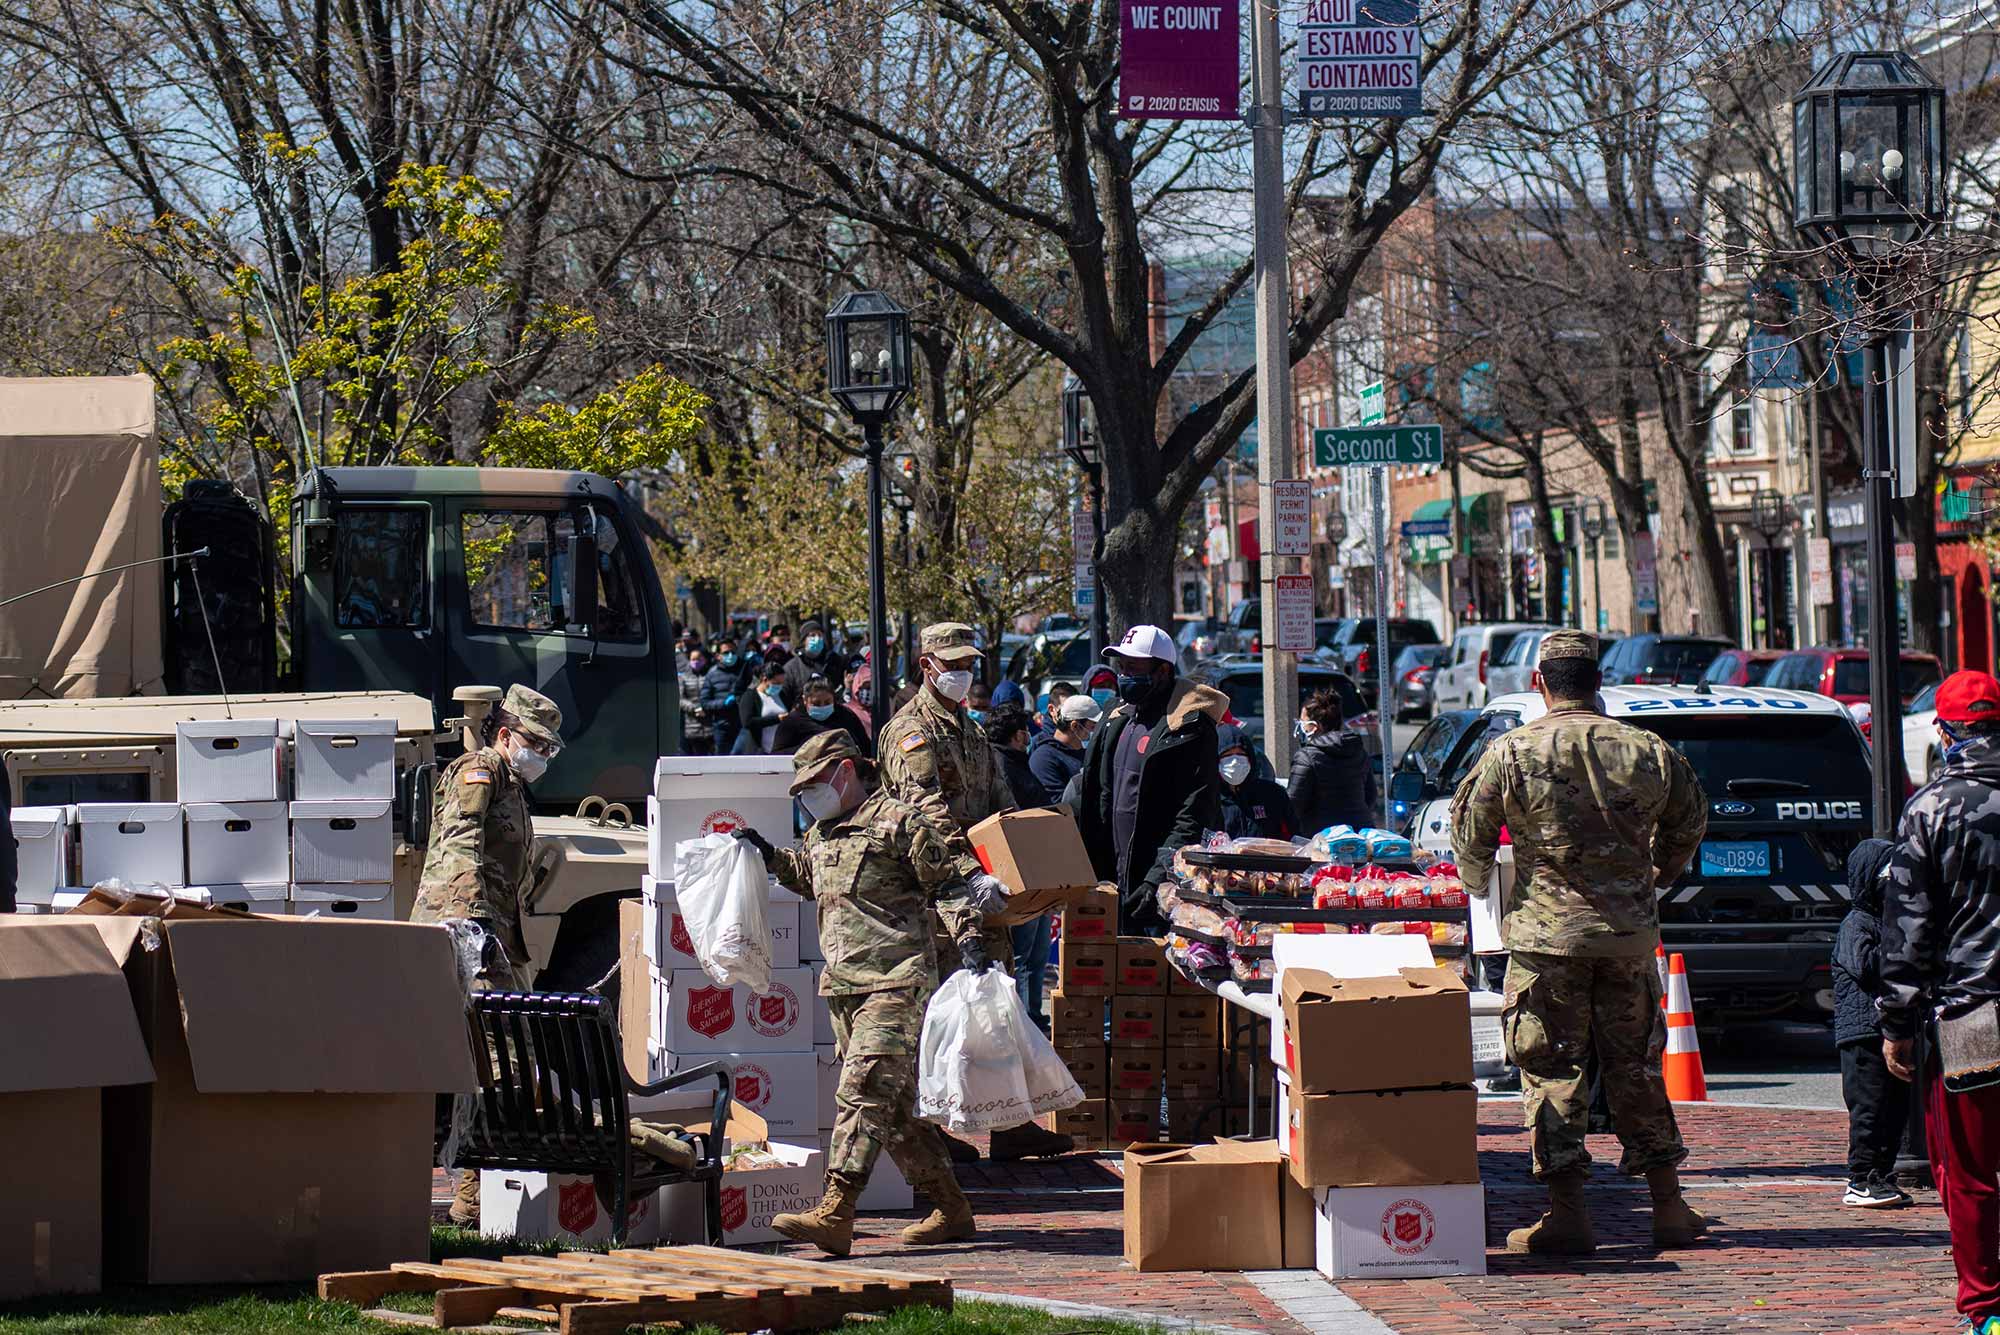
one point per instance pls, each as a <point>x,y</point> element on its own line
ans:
<point>1291,503</point>
<point>1360,58</point>
<point>1294,595</point>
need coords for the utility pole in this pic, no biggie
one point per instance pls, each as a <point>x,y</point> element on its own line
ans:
<point>1274,367</point>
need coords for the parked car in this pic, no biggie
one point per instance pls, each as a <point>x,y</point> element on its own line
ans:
<point>1195,639</point>
<point>1786,776</point>
<point>1741,667</point>
<point>1352,648</point>
<point>1843,674</point>
<point>1427,752</point>
<point>1048,659</point>
<point>1515,670</point>
<point>1921,758</point>
<point>1414,672</point>
<point>1660,660</point>
<point>1461,677</point>
<point>1241,678</point>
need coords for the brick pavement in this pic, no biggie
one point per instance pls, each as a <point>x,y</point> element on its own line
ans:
<point>1785,1258</point>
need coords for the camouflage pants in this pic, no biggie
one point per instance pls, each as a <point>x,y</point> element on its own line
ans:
<point>877,1035</point>
<point>1559,1008</point>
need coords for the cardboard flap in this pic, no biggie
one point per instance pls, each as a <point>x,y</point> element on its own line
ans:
<point>69,1019</point>
<point>306,1007</point>
<point>1307,984</point>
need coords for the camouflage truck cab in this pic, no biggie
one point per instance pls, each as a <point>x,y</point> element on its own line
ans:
<point>429,579</point>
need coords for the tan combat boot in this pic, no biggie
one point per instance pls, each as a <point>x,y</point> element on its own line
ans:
<point>950,1219</point>
<point>464,1210</point>
<point>1565,1229</point>
<point>1675,1222</point>
<point>829,1225</point>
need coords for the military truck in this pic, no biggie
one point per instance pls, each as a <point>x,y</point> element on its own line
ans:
<point>416,593</point>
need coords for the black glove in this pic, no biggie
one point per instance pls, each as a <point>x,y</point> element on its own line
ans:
<point>755,840</point>
<point>972,954</point>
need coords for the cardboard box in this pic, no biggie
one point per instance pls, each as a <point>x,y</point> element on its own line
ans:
<point>1091,916</point>
<point>705,1018</point>
<point>1399,1232</point>
<point>71,1032</point>
<point>1135,1073</point>
<point>1087,969</point>
<point>228,760</point>
<point>1089,1067</point>
<point>240,843</point>
<point>1191,1072</point>
<point>138,843</point>
<point>635,992</point>
<point>265,897</point>
<point>780,1087</point>
<point>1193,1020</point>
<point>343,841</point>
<point>42,847</point>
<point>1138,1022</point>
<point>887,1189</point>
<point>1142,967</point>
<point>751,1197</point>
<point>558,1207</point>
<point>279,1142</point>
<point>364,903</point>
<point>1192,1120</point>
<point>1132,1120</point>
<point>338,760</point>
<point>1410,1138</point>
<point>697,795</point>
<point>1088,1123</point>
<point>1077,1021</point>
<point>1226,1206</point>
<point>671,948</point>
<point>1340,957</point>
<point>1039,854</point>
<point>1180,985</point>
<point>1408,1030</point>
<point>827,1059</point>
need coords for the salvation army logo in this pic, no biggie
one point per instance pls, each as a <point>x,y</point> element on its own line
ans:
<point>753,1086</point>
<point>711,1010</point>
<point>774,1013</point>
<point>677,936</point>
<point>723,821</point>
<point>576,1206</point>
<point>735,1208</point>
<point>1408,1227</point>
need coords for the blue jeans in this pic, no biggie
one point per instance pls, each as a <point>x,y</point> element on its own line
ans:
<point>1031,962</point>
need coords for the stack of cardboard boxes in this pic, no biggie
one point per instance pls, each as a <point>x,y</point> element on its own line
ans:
<point>273,818</point>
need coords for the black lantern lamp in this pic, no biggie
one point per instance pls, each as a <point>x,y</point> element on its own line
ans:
<point>1868,153</point>
<point>868,355</point>
<point>1080,443</point>
<point>1079,432</point>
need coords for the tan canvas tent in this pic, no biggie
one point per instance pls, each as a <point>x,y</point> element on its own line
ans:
<point>80,473</point>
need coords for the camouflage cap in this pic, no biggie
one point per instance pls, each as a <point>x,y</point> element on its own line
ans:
<point>1568,644</point>
<point>820,752</point>
<point>533,714</point>
<point>950,641</point>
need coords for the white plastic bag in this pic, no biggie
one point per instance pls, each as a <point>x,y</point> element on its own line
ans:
<point>983,1063</point>
<point>721,886</point>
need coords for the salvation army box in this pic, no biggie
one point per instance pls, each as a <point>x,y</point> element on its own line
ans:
<point>780,1087</point>
<point>558,1207</point>
<point>1039,855</point>
<point>704,1018</point>
<point>1399,1232</point>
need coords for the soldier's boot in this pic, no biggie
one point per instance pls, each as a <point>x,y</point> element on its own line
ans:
<point>464,1210</point>
<point>1028,1141</point>
<point>1565,1229</point>
<point>829,1225</point>
<point>957,1150</point>
<point>950,1219</point>
<point>1675,1222</point>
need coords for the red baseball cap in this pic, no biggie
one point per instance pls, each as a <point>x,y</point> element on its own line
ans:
<point>1969,697</point>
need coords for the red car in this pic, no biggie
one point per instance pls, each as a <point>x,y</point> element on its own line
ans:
<point>1741,667</point>
<point>1843,674</point>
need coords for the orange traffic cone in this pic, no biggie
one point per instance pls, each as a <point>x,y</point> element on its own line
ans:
<point>1660,963</point>
<point>1682,1063</point>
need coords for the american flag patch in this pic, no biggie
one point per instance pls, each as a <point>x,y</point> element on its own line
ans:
<point>913,741</point>
<point>484,776</point>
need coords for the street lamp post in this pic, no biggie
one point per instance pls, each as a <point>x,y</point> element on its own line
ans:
<point>1769,516</point>
<point>1081,445</point>
<point>1868,180</point>
<point>903,495</point>
<point>868,371</point>
<point>1593,533</point>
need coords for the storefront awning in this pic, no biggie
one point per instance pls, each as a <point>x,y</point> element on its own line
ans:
<point>1477,509</point>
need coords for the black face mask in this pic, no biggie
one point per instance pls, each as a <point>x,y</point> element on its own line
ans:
<point>1138,691</point>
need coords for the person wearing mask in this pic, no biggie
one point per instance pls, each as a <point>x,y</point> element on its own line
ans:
<point>720,687</point>
<point>1007,729</point>
<point>1150,783</point>
<point>1333,778</point>
<point>1878,1104</point>
<point>816,712</point>
<point>1941,963</point>
<point>815,658</point>
<point>1059,756</point>
<point>697,733</point>
<point>978,701</point>
<point>1251,804</point>
<point>1045,717</point>
<point>878,868</point>
<point>479,864</point>
<point>759,711</point>
<point>1101,685</point>
<point>1599,813</point>
<point>861,698</point>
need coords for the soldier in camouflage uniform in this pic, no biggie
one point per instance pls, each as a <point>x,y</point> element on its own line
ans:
<point>481,857</point>
<point>935,757</point>
<point>874,865</point>
<point>1599,813</point>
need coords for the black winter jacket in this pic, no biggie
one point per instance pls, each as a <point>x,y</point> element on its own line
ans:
<point>1333,783</point>
<point>1857,951</point>
<point>1259,807</point>
<point>1021,780</point>
<point>1941,901</point>
<point>1178,798</point>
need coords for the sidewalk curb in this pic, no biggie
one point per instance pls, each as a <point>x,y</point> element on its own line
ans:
<point>1092,1311</point>
<point>1317,1304</point>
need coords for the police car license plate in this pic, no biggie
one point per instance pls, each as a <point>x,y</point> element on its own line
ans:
<point>1747,858</point>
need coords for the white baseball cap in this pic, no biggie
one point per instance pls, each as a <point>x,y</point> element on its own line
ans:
<point>1145,642</point>
<point>1079,709</point>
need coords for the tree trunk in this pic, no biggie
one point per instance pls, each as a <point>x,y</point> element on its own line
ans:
<point>1711,566</point>
<point>1136,579</point>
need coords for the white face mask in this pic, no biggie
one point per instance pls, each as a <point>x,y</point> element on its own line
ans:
<point>821,801</point>
<point>953,685</point>
<point>1235,769</point>
<point>528,764</point>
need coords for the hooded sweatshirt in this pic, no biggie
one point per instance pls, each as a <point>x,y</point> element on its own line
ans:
<point>1857,951</point>
<point>1333,783</point>
<point>1941,898</point>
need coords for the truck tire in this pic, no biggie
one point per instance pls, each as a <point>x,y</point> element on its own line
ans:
<point>586,946</point>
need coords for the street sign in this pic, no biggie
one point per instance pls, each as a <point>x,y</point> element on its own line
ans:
<point>1906,560</point>
<point>1372,404</point>
<point>1904,430</point>
<point>1291,503</point>
<point>1819,570</point>
<point>1086,588</point>
<point>1360,58</point>
<point>1645,574</point>
<point>1082,536</point>
<point>1180,61</point>
<point>1294,596</point>
<point>1427,528</point>
<point>1346,447</point>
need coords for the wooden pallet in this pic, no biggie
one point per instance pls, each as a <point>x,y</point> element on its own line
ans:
<point>592,1293</point>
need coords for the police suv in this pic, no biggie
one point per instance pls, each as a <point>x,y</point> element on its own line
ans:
<point>1786,774</point>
